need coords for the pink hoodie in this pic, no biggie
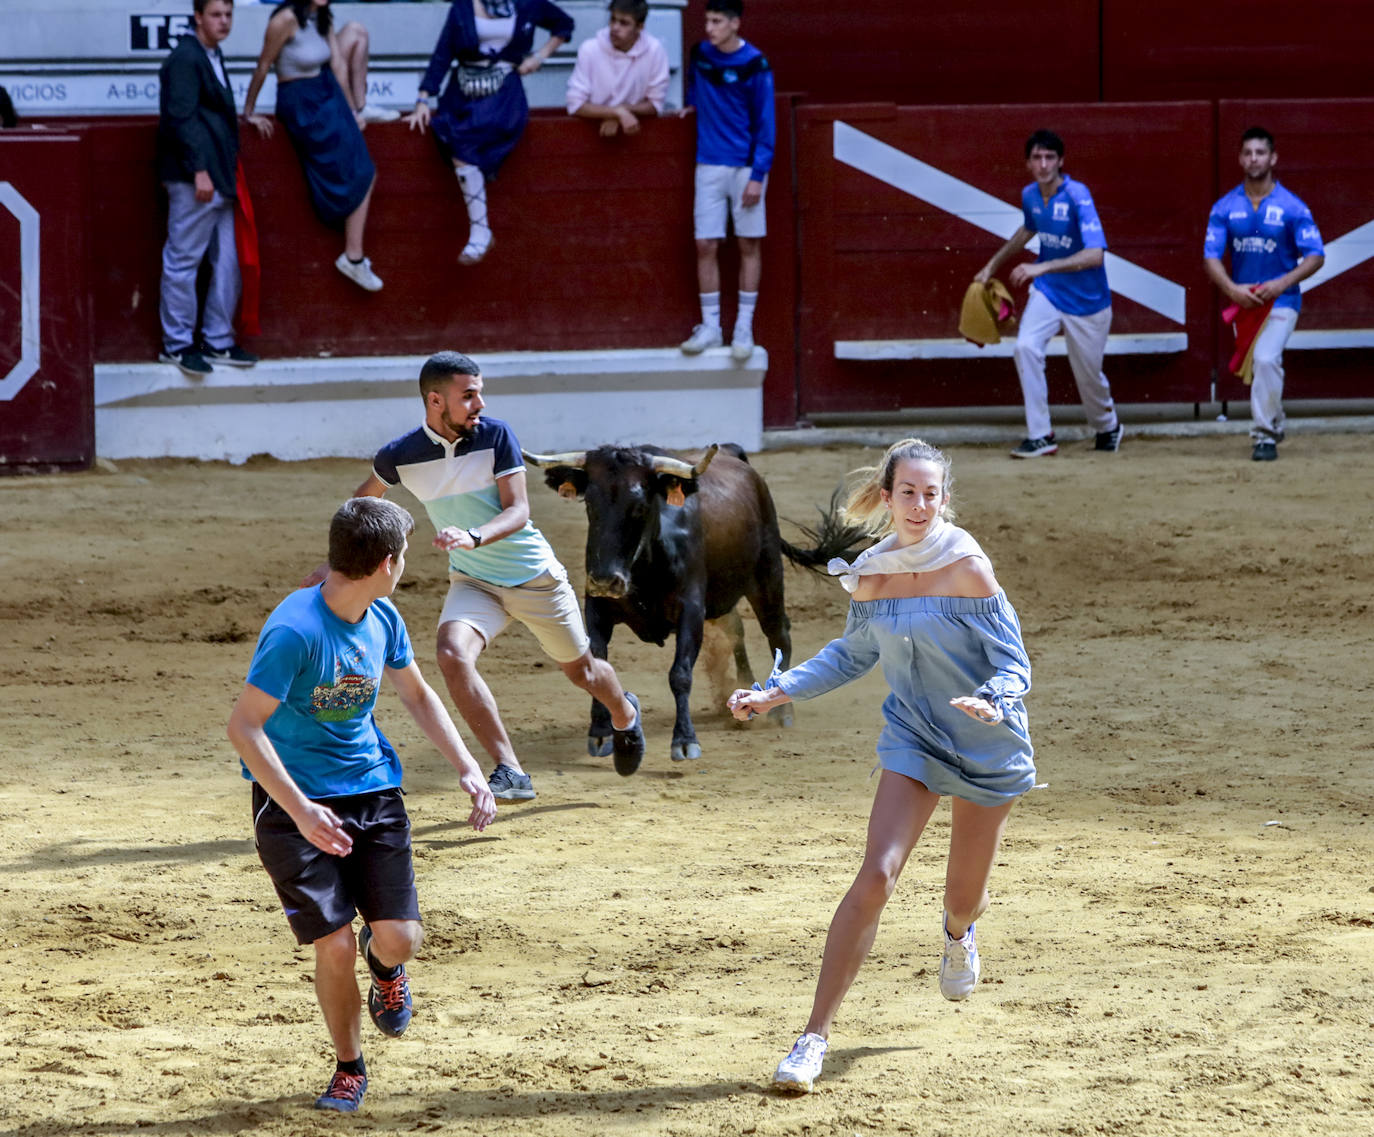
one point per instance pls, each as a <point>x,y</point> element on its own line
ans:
<point>611,78</point>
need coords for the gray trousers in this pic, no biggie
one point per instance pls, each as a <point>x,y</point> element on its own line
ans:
<point>196,230</point>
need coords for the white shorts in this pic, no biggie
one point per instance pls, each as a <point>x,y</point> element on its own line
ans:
<point>546,605</point>
<point>722,186</point>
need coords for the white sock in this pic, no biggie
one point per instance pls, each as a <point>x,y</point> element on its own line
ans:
<point>474,186</point>
<point>744,321</point>
<point>710,309</point>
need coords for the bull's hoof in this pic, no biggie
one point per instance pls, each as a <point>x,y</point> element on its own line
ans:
<point>685,751</point>
<point>782,715</point>
<point>599,745</point>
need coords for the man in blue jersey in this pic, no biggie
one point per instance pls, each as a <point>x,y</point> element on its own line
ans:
<point>1274,246</point>
<point>1068,293</point>
<point>730,86</point>
<point>329,822</point>
<point>466,469</point>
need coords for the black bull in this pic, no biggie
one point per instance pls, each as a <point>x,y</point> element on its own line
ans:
<point>672,544</point>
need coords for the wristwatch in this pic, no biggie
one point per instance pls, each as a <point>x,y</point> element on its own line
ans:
<point>476,538</point>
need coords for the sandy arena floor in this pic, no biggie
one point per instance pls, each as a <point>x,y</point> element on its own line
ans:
<point>1182,932</point>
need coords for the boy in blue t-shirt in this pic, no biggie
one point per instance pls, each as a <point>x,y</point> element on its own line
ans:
<point>1069,293</point>
<point>1275,245</point>
<point>328,819</point>
<point>730,85</point>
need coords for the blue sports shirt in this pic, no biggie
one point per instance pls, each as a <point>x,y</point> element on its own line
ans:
<point>326,672</point>
<point>733,95</point>
<point>456,483</point>
<point>1067,224</point>
<point>1266,241</point>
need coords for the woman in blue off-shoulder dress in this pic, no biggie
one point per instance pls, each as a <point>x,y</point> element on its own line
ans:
<point>928,610</point>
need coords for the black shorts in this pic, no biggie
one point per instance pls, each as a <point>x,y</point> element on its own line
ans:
<point>320,892</point>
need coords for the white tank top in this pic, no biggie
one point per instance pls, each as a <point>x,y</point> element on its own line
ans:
<point>303,55</point>
<point>494,34</point>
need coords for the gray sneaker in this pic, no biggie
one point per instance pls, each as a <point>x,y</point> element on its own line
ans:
<point>741,347</point>
<point>959,966</point>
<point>507,785</point>
<point>701,338</point>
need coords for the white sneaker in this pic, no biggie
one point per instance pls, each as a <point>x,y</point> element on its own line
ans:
<point>959,966</point>
<point>360,274</point>
<point>797,1073</point>
<point>479,245</point>
<point>742,347</point>
<point>373,113</point>
<point>701,338</point>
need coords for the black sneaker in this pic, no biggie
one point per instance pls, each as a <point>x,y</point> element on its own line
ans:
<point>190,361</point>
<point>1265,452</point>
<point>1036,447</point>
<point>388,1000</point>
<point>231,356</point>
<point>506,785</point>
<point>628,744</point>
<point>345,1093</point>
<point>1110,440</point>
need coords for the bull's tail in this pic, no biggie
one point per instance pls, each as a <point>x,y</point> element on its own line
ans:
<point>832,538</point>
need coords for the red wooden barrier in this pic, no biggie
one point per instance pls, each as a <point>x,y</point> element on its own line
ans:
<point>1274,49</point>
<point>593,249</point>
<point>47,418</point>
<point>881,264</point>
<point>894,51</point>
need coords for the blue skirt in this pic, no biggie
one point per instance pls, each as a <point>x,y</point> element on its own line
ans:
<point>338,168</point>
<point>481,132</point>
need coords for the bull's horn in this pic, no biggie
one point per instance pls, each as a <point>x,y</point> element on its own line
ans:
<point>679,469</point>
<point>575,458</point>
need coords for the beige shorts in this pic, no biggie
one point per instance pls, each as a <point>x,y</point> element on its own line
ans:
<point>721,188</point>
<point>546,605</point>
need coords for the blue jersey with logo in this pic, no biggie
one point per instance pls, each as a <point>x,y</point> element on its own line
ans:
<point>326,672</point>
<point>1067,224</point>
<point>1266,241</point>
<point>733,95</point>
<point>456,483</point>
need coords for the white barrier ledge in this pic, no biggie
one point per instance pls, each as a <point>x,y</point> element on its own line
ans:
<point>1146,343</point>
<point>1329,339</point>
<point>348,407</point>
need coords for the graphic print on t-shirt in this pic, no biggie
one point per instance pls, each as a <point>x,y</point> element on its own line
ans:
<point>350,695</point>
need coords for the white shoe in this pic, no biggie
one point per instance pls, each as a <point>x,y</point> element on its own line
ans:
<point>797,1073</point>
<point>479,245</point>
<point>360,274</point>
<point>742,347</point>
<point>374,113</point>
<point>702,337</point>
<point>959,966</point>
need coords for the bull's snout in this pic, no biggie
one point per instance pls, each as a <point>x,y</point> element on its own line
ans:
<point>613,587</point>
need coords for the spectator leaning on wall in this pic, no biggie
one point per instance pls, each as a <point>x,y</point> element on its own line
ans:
<point>621,73</point>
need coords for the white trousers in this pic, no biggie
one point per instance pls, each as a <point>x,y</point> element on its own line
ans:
<point>1086,340</point>
<point>195,230</point>
<point>1266,389</point>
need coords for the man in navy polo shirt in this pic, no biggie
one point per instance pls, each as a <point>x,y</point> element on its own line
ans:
<point>1274,246</point>
<point>467,471</point>
<point>1068,292</point>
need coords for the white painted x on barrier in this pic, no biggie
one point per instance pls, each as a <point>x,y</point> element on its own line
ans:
<point>29,295</point>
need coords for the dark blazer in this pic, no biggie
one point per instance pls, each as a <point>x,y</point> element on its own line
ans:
<point>197,127</point>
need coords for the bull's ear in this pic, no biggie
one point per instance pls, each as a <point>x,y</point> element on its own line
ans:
<point>675,489</point>
<point>566,481</point>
